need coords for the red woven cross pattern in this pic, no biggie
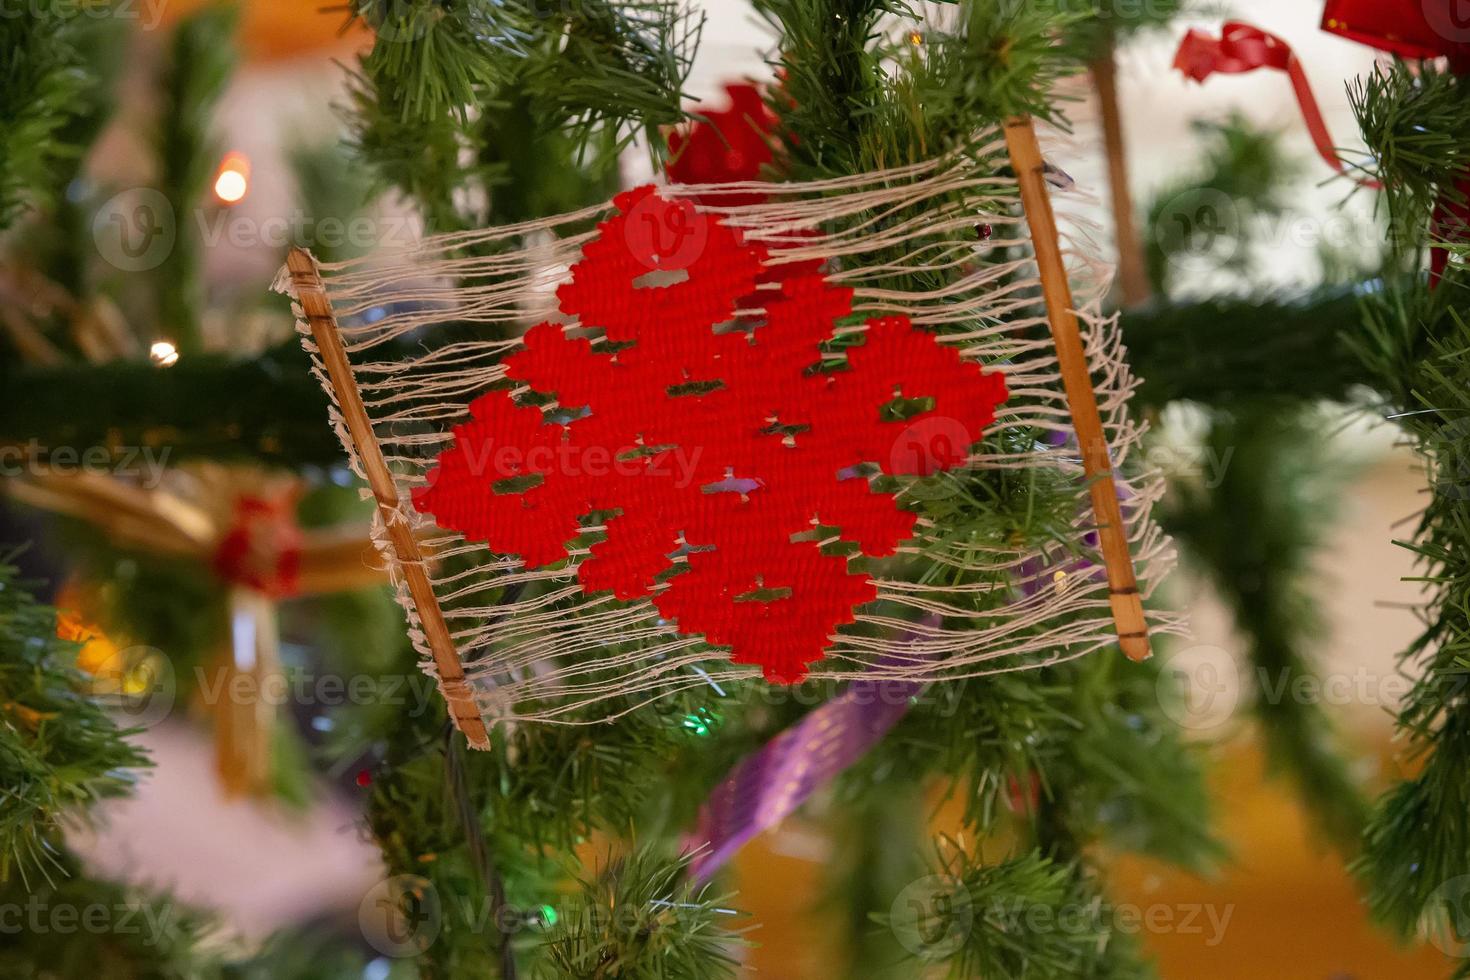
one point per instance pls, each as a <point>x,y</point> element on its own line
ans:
<point>705,440</point>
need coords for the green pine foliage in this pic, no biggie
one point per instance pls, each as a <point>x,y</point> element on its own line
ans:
<point>1231,352</point>
<point>60,750</point>
<point>1216,351</point>
<point>1417,124</point>
<point>1027,917</point>
<point>1105,24</point>
<point>1256,364</point>
<point>463,107</point>
<point>860,97</point>
<point>77,926</point>
<point>1416,342</point>
<point>489,830</point>
<point>1417,845</point>
<point>44,83</point>
<point>1245,176</point>
<point>1255,534</point>
<point>202,58</point>
<point>639,920</point>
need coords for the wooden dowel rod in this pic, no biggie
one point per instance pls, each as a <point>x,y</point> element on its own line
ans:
<point>1092,441</point>
<point>312,295</point>
<point>1132,271</point>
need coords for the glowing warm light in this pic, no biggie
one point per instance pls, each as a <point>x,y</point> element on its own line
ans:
<point>163,353</point>
<point>233,180</point>
<point>916,38</point>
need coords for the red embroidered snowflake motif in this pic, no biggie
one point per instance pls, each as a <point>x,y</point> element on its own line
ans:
<point>699,433</point>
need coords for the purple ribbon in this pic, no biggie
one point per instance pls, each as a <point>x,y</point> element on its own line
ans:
<point>767,786</point>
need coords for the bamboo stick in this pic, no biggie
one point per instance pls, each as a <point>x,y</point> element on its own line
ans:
<point>312,295</point>
<point>1097,461</point>
<point>1132,272</point>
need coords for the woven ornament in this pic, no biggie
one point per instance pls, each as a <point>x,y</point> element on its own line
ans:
<point>695,436</point>
<point>728,449</point>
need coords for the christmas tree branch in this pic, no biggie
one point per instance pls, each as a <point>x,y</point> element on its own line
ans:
<point>1416,845</point>
<point>577,81</point>
<point>1255,534</point>
<point>201,60</point>
<point>60,750</point>
<point>44,82</point>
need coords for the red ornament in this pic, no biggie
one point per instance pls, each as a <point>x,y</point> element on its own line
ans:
<point>262,549</point>
<point>713,447</point>
<point>1408,28</point>
<point>727,145</point>
<point>364,778</point>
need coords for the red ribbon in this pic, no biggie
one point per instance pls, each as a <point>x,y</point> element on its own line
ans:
<point>1242,48</point>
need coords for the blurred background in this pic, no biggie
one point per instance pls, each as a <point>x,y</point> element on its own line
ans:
<point>1281,906</point>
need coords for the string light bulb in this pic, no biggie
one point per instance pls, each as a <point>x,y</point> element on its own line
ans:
<point>163,354</point>
<point>232,181</point>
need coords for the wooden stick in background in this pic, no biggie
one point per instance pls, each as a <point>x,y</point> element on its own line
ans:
<point>1132,272</point>
<point>312,295</point>
<point>1097,460</point>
